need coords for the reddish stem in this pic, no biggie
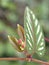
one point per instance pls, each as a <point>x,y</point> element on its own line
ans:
<point>25,59</point>
<point>46,39</point>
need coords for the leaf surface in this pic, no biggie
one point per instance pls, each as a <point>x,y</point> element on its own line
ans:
<point>33,33</point>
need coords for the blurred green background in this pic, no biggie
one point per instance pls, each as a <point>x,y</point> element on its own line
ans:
<point>11,14</point>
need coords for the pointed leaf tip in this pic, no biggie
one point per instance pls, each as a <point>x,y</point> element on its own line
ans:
<point>17,25</point>
<point>27,8</point>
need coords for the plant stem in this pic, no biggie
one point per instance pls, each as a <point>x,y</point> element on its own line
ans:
<point>25,59</point>
<point>46,39</point>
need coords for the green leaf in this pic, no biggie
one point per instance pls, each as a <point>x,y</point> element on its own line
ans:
<point>34,36</point>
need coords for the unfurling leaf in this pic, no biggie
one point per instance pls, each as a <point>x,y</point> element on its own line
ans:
<point>18,44</point>
<point>33,32</point>
<point>20,31</point>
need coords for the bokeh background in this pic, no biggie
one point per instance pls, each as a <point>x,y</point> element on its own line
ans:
<point>11,14</point>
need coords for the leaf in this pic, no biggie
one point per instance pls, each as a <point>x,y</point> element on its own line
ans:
<point>20,32</point>
<point>16,43</point>
<point>33,31</point>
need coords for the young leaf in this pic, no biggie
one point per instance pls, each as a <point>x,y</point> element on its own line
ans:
<point>18,44</point>
<point>33,32</point>
<point>20,31</point>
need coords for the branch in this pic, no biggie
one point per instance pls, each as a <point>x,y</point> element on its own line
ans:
<point>26,59</point>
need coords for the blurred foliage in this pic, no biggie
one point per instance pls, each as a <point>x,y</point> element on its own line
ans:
<point>12,13</point>
<point>8,4</point>
<point>12,16</point>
